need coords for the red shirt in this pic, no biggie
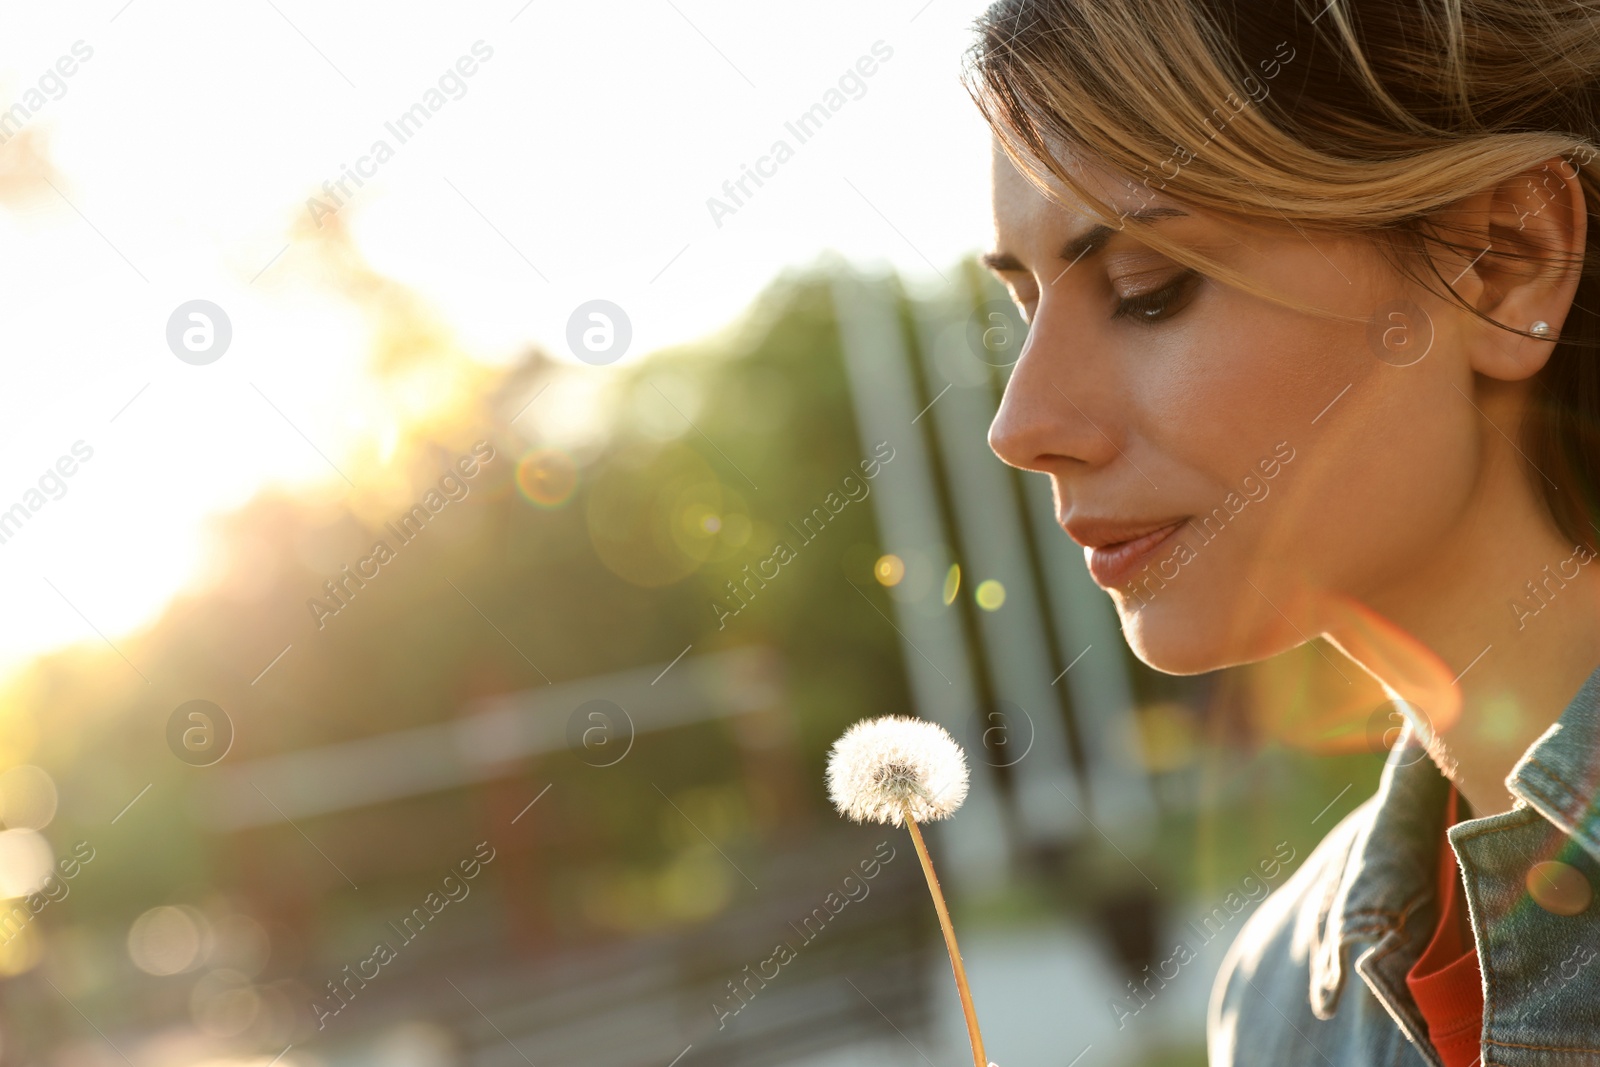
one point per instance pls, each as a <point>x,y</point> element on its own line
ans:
<point>1445,981</point>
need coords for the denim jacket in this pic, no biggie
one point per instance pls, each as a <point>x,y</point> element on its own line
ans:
<point>1366,902</point>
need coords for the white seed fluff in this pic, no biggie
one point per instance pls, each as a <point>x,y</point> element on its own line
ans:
<point>880,768</point>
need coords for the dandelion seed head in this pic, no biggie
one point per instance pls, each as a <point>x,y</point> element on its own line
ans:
<point>881,768</point>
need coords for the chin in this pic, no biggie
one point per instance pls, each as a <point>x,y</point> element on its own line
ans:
<point>1190,635</point>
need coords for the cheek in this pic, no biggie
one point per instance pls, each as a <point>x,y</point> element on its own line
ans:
<point>1383,485</point>
<point>1380,460</point>
<point>1217,399</point>
<point>1221,398</point>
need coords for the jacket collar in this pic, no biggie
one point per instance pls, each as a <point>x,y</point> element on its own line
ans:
<point>1385,885</point>
<point>1559,775</point>
<point>1378,905</point>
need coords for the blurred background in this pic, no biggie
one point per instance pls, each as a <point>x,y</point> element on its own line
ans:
<point>463,467</point>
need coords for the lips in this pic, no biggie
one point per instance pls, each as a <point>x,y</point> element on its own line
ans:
<point>1115,552</point>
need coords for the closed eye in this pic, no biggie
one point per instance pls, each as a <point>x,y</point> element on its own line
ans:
<point>1158,304</point>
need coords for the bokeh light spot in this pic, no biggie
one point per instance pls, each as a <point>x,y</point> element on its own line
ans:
<point>21,952</point>
<point>242,944</point>
<point>1559,888</point>
<point>547,477</point>
<point>695,886</point>
<point>223,1003</point>
<point>1164,736</point>
<point>25,862</point>
<point>165,940</point>
<point>990,595</point>
<point>27,798</point>
<point>952,583</point>
<point>643,511</point>
<point>889,569</point>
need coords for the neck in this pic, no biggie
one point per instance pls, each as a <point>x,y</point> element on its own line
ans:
<point>1490,640</point>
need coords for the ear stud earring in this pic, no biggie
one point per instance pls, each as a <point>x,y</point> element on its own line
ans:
<point>1542,329</point>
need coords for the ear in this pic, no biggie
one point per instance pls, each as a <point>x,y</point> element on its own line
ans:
<point>1531,229</point>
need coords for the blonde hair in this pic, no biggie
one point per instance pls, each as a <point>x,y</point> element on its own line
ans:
<point>1359,118</point>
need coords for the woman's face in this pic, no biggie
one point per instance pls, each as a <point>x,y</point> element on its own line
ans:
<point>1232,468</point>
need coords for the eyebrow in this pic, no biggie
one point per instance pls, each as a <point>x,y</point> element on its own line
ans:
<point>1085,243</point>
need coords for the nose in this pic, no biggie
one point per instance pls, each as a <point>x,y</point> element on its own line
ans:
<point>1042,425</point>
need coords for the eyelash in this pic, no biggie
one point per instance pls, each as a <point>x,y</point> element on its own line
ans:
<point>1137,308</point>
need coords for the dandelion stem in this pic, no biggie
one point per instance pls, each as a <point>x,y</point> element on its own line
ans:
<point>978,1057</point>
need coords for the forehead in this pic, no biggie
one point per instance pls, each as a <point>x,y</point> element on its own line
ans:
<point>1020,207</point>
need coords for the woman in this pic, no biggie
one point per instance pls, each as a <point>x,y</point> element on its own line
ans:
<point>1343,247</point>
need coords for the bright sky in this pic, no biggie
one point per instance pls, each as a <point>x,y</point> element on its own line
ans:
<point>574,163</point>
